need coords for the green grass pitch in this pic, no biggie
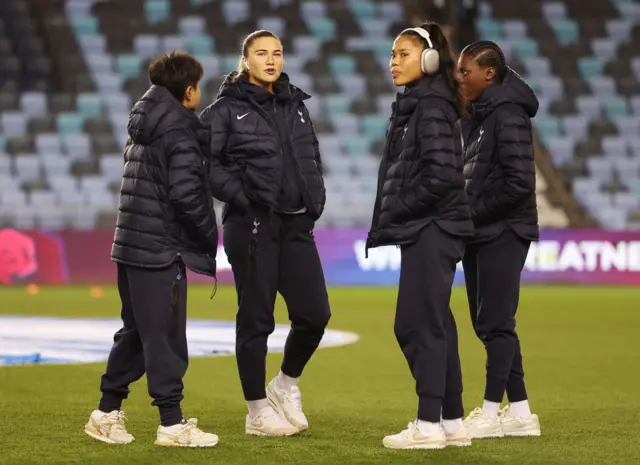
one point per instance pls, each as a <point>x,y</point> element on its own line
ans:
<point>581,350</point>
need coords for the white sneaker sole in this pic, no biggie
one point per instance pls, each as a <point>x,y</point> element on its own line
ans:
<point>173,444</point>
<point>520,434</point>
<point>257,432</point>
<point>273,402</point>
<point>95,434</point>
<point>459,443</point>
<point>493,435</point>
<point>416,446</point>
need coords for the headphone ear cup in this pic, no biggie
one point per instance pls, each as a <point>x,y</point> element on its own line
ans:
<point>430,61</point>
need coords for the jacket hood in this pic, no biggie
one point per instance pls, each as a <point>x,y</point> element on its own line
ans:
<point>157,113</point>
<point>427,86</point>
<point>512,89</point>
<point>242,89</point>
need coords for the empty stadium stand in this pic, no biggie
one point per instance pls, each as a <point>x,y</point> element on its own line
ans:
<point>70,70</point>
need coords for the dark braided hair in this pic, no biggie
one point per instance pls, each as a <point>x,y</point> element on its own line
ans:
<point>489,54</point>
<point>447,61</point>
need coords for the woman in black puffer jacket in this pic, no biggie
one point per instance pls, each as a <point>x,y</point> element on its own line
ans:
<point>266,166</point>
<point>500,182</point>
<point>421,206</point>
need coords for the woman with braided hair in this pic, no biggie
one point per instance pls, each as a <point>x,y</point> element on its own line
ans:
<point>500,184</point>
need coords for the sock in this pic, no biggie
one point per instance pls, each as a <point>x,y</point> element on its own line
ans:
<point>285,382</point>
<point>428,428</point>
<point>521,409</point>
<point>491,408</point>
<point>256,406</point>
<point>452,426</point>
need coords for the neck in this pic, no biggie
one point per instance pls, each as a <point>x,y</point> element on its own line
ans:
<point>265,85</point>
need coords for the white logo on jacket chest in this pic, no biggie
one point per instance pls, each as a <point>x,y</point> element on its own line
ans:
<point>242,116</point>
<point>301,116</point>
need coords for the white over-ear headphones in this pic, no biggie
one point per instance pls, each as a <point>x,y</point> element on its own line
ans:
<point>430,61</point>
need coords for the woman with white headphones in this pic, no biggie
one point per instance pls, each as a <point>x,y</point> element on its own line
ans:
<point>421,206</point>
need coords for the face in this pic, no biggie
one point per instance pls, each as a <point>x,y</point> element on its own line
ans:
<point>473,78</point>
<point>265,60</point>
<point>405,63</point>
<point>192,97</point>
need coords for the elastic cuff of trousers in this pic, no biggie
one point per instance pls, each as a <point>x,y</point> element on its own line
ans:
<point>256,396</point>
<point>429,409</point>
<point>290,372</point>
<point>109,402</point>
<point>171,415</point>
<point>452,407</point>
<point>494,391</point>
<point>516,392</point>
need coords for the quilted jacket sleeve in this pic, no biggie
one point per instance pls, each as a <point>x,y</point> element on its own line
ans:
<point>224,181</point>
<point>187,187</point>
<point>434,174</point>
<point>514,149</point>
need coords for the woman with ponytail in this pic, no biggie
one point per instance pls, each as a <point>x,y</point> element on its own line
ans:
<point>421,207</point>
<point>266,166</point>
<point>500,184</point>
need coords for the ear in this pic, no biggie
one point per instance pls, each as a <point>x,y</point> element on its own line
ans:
<point>490,74</point>
<point>246,63</point>
<point>188,93</point>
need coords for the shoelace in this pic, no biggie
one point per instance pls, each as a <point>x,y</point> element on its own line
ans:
<point>475,413</point>
<point>295,398</point>
<point>191,428</point>
<point>117,419</point>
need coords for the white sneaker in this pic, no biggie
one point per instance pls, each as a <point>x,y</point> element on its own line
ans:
<point>185,435</point>
<point>513,425</point>
<point>269,423</point>
<point>461,438</point>
<point>108,427</point>
<point>413,438</point>
<point>288,404</point>
<point>480,425</point>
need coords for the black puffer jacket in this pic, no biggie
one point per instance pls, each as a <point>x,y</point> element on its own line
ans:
<point>420,178</point>
<point>499,167</point>
<point>166,207</point>
<point>249,155</point>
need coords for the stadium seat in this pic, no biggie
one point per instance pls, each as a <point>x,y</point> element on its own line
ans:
<point>33,104</point>
<point>146,46</point>
<point>548,127</point>
<point>85,26</point>
<point>192,26</point>
<point>277,25</point>
<point>514,29</point>
<point>526,49</point>
<point>89,105</point>
<point>590,67</point>
<point>235,11</point>
<point>554,10</point>
<point>13,123</point>
<point>200,45</point>
<point>614,146</point>
<point>323,29</point>
<point>566,31</point>
<point>489,29</point>
<point>604,48</point>
<point>615,107</point>
<point>157,10</point>
<point>342,65</point>
<point>128,65</point>
<point>55,164</point>
<point>362,9</point>
<point>69,123</point>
